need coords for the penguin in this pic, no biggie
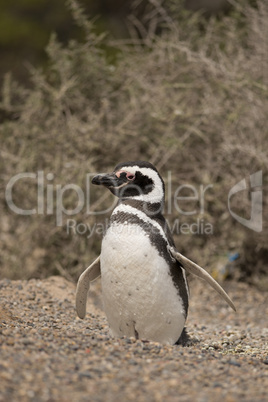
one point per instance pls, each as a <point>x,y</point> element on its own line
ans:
<point>144,286</point>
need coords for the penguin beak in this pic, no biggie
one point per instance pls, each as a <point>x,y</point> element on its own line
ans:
<point>107,180</point>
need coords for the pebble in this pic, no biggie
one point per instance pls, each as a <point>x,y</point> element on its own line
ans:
<point>54,356</point>
<point>234,363</point>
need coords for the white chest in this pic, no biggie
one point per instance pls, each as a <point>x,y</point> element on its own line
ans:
<point>139,296</point>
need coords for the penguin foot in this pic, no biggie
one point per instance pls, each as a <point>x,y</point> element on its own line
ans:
<point>184,339</point>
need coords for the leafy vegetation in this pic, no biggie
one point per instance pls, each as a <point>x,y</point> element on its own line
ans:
<point>191,98</point>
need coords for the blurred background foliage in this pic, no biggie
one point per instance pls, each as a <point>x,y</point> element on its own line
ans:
<point>187,91</point>
<point>26,25</point>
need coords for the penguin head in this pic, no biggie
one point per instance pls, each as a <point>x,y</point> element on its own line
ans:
<point>136,180</point>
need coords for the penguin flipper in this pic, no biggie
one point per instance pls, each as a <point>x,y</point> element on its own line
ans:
<point>89,275</point>
<point>196,270</point>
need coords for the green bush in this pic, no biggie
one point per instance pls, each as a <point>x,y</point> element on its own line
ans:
<point>192,100</point>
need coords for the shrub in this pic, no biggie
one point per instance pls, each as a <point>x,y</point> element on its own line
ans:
<point>191,100</point>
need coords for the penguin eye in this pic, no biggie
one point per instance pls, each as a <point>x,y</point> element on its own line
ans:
<point>130,176</point>
<point>124,173</point>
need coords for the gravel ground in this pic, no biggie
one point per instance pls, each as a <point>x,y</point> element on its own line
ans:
<point>48,354</point>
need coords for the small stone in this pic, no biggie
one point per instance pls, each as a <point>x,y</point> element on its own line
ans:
<point>234,362</point>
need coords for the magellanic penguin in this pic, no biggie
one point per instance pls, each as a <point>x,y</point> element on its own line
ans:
<point>144,286</point>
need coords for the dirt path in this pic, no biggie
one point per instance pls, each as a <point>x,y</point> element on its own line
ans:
<point>47,354</point>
